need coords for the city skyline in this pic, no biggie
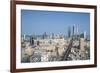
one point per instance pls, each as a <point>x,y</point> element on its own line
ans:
<point>46,42</point>
<point>38,22</point>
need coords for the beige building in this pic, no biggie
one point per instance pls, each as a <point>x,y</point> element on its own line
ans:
<point>83,47</point>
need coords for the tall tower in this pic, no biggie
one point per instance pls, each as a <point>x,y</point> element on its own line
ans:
<point>52,35</point>
<point>73,30</point>
<point>24,37</point>
<point>69,32</point>
<point>31,40</point>
<point>77,31</point>
<point>84,34</point>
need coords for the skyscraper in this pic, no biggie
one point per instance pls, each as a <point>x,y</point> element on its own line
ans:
<point>24,37</point>
<point>69,32</point>
<point>31,40</point>
<point>73,30</point>
<point>85,34</point>
<point>77,31</point>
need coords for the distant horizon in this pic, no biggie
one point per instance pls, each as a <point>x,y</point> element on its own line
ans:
<point>56,22</point>
<point>50,34</point>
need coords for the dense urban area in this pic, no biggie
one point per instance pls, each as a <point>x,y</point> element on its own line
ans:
<point>49,47</point>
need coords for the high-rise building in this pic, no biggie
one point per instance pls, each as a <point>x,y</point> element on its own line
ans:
<point>82,47</point>
<point>53,36</point>
<point>77,31</point>
<point>31,40</point>
<point>72,30</point>
<point>69,32</point>
<point>24,36</point>
<point>85,34</point>
<point>44,35</point>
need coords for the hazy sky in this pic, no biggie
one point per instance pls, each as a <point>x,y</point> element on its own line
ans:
<point>38,22</point>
